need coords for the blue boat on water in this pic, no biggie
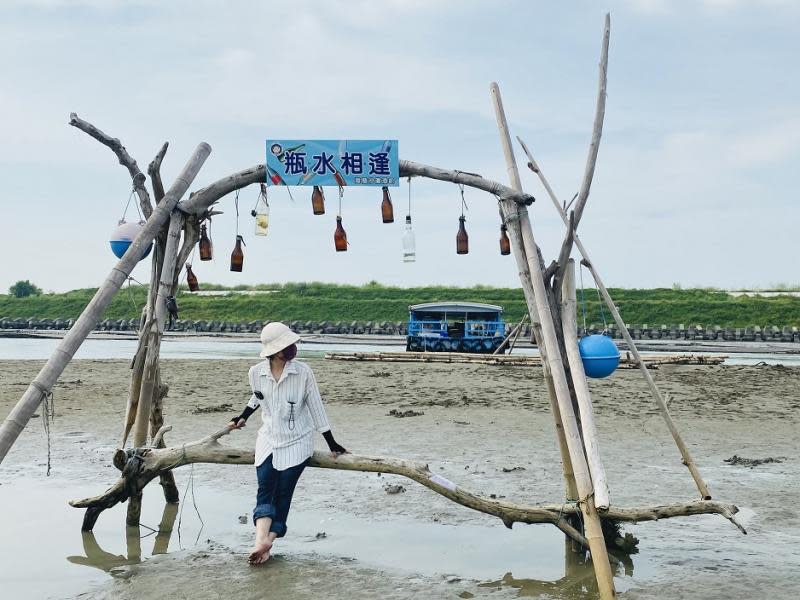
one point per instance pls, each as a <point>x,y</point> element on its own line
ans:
<point>455,327</point>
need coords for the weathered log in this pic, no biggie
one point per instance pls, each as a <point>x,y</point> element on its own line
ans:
<point>549,342</point>
<point>19,416</point>
<point>154,170</point>
<point>651,384</point>
<point>143,465</point>
<point>591,440</point>
<point>125,159</point>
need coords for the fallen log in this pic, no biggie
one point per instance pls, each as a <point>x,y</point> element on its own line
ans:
<point>141,465</point>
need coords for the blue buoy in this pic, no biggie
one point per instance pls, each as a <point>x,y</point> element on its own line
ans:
<point>123,236</point>
<point>599,355</point>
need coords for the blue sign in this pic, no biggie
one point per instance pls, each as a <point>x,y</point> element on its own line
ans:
<point>333,162</point>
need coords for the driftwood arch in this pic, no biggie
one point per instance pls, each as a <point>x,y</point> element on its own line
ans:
<point>549,292</point>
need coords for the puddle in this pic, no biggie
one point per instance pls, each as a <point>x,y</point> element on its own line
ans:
<point>43,544</point>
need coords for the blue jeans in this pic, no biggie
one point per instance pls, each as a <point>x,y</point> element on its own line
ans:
<point>275,491</point>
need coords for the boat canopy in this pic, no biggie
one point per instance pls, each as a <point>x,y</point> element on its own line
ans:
<point>455,307</point>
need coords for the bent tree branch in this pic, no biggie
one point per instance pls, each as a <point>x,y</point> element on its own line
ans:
<point>140,466</point>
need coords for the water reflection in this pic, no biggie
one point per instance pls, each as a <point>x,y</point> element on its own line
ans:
<point>98,558</point>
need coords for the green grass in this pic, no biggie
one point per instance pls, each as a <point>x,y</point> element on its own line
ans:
<point>374,302</point>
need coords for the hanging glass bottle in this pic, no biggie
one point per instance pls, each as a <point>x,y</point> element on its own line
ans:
<point>340,236</point>
<point>261,212</point>
<point>387,210</point>
<point>505,244</point>
<point>206,246</point>
<point>409,243</point>
<point>191,279</point>
<point>318,201</point>
<point>462,239</point>
<point>237,256</point>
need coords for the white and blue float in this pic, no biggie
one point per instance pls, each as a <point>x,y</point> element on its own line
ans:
<point>599,355</point>
<point>122,237</point>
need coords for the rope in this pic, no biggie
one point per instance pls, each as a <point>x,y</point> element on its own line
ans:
<point>341,193</point>
<point>189,484</point>
<point>48,415</point>
<point>463,202</point>
<point>583,300</point>
<point>409,196</point>
<point>236,203</point>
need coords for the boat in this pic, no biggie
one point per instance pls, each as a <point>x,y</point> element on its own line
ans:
<point>469,327</point>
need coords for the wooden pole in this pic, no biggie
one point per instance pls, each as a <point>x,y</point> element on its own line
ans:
<point>19,416</point>
<point>594,532</point>
<point>529,255</point>
<point>651,384</point>
<point>516,336</point>
<point>511,333</point>
<point>590,438</point>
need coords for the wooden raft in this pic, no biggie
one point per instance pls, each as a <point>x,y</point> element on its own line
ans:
<point>626,361</point>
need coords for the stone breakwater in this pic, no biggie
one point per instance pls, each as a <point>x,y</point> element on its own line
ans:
<point>755,333</point>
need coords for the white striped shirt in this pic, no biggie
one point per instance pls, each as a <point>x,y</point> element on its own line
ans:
<point>295,395</point>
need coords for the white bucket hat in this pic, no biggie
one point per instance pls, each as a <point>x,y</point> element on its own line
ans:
<point>275,337</point>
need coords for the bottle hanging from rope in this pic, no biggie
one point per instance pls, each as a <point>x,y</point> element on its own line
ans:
<point>340,236</point>
<point>206,246</point>
<point>237,256</point>
<point>191,279</point>
<point>387,210</point>
<point>261,212</point>
<point>505,244</point>
<point>318,201</point>
<point>462,239</point>
<point>409,243</point>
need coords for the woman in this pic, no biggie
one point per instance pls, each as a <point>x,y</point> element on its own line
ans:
<point>291,409</point>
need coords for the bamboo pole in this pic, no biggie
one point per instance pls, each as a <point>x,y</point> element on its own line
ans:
<point>511,333</point>
<point>651,384</point>
<point>525,255</point>
<point>19,416</point>
<point>594,532</point>
<point>516,336</point>
<point>590,437</point>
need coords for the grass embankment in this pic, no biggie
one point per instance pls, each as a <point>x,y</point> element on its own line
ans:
<point>328,302</point>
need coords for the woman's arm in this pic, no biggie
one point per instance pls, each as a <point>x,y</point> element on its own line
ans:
<point>249,409</point>
<point>318,415</point>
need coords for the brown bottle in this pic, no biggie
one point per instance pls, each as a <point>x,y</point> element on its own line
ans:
<point>462,239</point>
<point>191,279</point>
<point>339,236</point>
<point>206,247</point>
<point>505,244</point>
<point>237,256</point>
<point>387,211</point>
<point>318,201</point>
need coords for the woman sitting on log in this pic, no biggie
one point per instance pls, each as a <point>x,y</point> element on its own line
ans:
<point>291,409</point>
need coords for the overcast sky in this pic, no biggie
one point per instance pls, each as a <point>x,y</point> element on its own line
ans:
<point>693,182</point>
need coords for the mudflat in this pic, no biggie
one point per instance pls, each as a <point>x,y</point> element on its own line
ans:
<point>358,535</point>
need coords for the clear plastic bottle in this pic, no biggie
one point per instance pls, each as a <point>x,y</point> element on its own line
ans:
<point>261,212</point>
<point>409,243</point>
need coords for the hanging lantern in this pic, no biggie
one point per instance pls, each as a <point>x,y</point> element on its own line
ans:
<point>318,201</point>
<point>206,246</point>
<point>261,212</point>
<point>122,237</point>
<point>387,211</point>
<point>462,239</point>
<point>505,244</point>
<point>409,243</point>
<point>237,256</point>
<point>191,279</point>
<point>340,236</point>
<point>599,355</point>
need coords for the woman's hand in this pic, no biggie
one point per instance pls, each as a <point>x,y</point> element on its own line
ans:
<point>337,450</point>
<point>236,423</point>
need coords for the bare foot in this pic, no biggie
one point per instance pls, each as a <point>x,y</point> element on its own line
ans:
<point>260,553</point>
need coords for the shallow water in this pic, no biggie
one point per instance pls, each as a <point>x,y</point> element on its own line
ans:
<point>46,556</point>
<point>221,349</point>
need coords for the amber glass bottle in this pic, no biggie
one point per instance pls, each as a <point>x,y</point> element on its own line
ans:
<point>206,247</point>
<point>191,279</point>
<point>462,239</point>
<point>340,236</point>
<point>318,201</point>
<point>505,244</point>
<point>387,211</point>
<point>237,256</point>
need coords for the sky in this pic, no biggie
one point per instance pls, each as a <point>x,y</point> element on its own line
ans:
<point>693,184</point>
